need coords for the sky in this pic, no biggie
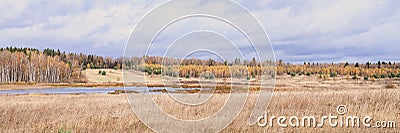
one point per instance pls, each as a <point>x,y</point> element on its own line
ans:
<point>299,30</point>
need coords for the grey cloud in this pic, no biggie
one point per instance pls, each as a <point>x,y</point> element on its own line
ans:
<point>299,30</point>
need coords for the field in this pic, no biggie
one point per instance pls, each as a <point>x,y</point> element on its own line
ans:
<point>298,96</point>
<point>115,76</point>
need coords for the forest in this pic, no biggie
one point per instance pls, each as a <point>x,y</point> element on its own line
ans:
<point>54,66</point>
<point>155,65</point>
<point>48,66</point>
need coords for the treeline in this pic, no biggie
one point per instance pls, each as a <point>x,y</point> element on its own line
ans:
<point>49,65</point>
<point>133,62</point>
<point>29,65</point>
<point>52,66</point>
<point>366,71</point>
<point>87,61</point>
<point>157,65</point>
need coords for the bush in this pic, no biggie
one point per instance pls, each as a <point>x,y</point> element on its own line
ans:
<point>211,76</point>
<point>301,73</point>
<point>248,77</point>
<point>392,75</point>
<point>375,76</point>
<point>149,71</point>
<point>100,71</point>
<point>157,71</point>
<point>365,78</point>
<point>103,73</point>
<point>383,76</point>
<point>187,76</point>
<point>308,74</point>
<point>333,75</point>
<point>293,74</point>
<point>398,75</point>
<point>354,77</point>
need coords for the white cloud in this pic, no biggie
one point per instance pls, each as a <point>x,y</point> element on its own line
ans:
<point>300,30</point>
<point>98,27</point>
<point>333,30</point>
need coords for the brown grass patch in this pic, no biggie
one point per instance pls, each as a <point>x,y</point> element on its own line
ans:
<point>390,86</point>
<point>112,113</point>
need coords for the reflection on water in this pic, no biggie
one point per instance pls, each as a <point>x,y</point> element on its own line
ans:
<point>94,90</point>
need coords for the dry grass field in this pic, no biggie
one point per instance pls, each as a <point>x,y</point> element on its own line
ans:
<point>112,113</point>
<point>294,96</point>
<point>92,75</point>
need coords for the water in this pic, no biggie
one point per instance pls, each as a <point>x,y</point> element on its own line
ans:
<point>82,90</point>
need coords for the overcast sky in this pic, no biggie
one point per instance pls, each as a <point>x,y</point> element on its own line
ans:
<point>300,30</point>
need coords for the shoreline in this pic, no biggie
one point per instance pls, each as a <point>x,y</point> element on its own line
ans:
<point>282,83</point>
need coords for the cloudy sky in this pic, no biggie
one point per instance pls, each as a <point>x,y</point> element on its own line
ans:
<point>300,30</point>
